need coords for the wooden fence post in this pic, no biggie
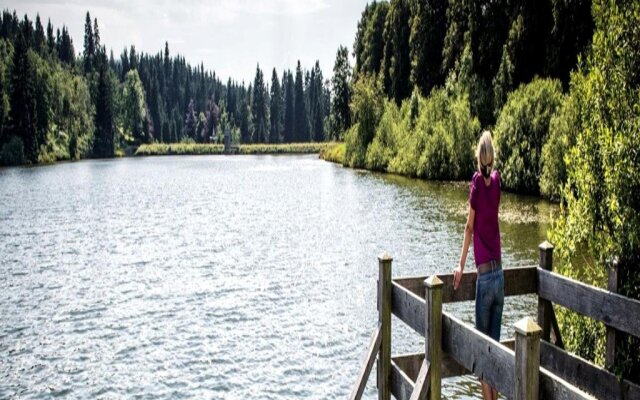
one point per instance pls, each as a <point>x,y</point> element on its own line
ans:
<point>544,306</point>
<point>384,318</point>
<point>612,337</point>
<point>527,359</point>
<point>433,333</point>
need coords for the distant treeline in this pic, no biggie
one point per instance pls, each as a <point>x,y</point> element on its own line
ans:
<point>57,104</point>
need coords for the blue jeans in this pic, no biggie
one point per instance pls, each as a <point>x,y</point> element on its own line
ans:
<point>489,303</point>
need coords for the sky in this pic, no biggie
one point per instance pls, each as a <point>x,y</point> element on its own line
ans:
<point>228,36</point>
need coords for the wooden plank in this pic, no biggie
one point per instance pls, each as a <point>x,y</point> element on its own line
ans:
<point>422,388</point>
<point>554,387</point>
<point>367,364</point>
<point>555,330</point>
<point>613,338</point>
<point>410,364</point>
<point>401,385</point>
<point>517,281</point>
<point>478,353</point>
<point>384,318</point>
<point>527,371</point>
<point>408,307</point>
<point>589,377</point>
<point>613,309</point>
<point>433,336</point>
<point>544,306</point>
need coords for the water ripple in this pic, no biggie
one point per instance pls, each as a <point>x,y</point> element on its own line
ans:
<point>218,277</point>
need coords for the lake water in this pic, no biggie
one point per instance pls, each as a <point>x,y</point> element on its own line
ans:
<point>224,277</point>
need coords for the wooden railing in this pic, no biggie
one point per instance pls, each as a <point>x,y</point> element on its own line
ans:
<point>533,366</point>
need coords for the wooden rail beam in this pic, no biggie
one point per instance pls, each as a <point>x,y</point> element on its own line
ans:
<point>589,377</point>
<point>614,310</point>
<point>517,281</point>
<point>367,364</point>
<point>384,319</point>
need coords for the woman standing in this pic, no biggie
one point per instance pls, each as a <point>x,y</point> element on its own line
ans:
<point>482,224</point>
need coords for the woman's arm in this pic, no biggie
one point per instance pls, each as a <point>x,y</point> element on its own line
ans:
<point>468,231</point>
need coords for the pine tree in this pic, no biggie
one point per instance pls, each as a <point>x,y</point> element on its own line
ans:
<point>104,142</point>
<point>89,45</point>
<point>276,111</point>
<point>39,38</point>
<point>368,47</point>
<point>301,122</point>
<point>23,99</point>
<point>51,40</point>
<point>289,107</point>
<point>341,87</point>
<point>426,41</point>
<point>190,121</point>
<point>396,66</point>
<point>259,108</point>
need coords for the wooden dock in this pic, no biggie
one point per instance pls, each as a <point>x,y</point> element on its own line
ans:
<point>533,365</point>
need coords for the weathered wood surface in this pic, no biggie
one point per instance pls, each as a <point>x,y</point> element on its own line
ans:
<point>433,339</point>
<point>401,384</point>
<point>556,336</point>
<point>613,309</point>
<point>367,364</point>
<point>589,377</point>
<point>485,358</point>
<point>422,388</point>
<point>517,281</point>
<point>408,307</point>
<point>527,359</point>
<point>613,338</point>
<point>384,319</point>
<point>554,387</point>
<point>545,309</point>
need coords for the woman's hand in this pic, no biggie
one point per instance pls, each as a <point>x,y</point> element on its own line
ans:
<point>457,276</point>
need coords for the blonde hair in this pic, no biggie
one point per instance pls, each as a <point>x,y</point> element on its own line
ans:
<point>484,151</point>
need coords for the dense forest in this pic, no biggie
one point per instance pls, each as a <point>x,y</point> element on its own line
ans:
<point>58,104</point>
<point>557,82</point>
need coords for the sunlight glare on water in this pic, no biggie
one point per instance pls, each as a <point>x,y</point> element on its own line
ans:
<point>220,277</point>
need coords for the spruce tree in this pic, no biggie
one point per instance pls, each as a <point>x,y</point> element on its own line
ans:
<point>426,41</point>
<point>289,107</point>
<point>104,141</point>
<point>276,111</point>
<point>301,121</point>
<point>89,45</point>
<point>396,65</point>
<point>259,108</point>
<point>23,99</point>
<point>341,88</point>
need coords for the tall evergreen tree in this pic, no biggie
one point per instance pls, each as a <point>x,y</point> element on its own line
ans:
<point>104,142</point>
<point>51,40</point>
<point>301,122</point>
<point>23,99</point>
<point>341,88</point>
<point>368,47</point>
<point>276,109</point>
<point>396,66</point>
<point>426,41</point>
<point>39,38</point>
<point>259,108</point>
<point>289,107</point>
<point>89,45</point>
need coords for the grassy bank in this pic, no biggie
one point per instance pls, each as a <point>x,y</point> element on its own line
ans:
<point>333,152</point>
<point>162,149</point>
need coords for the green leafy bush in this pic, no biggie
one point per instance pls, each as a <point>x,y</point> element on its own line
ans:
<point>600,212</point>
<point>522,129</point>
<point>366,108</point>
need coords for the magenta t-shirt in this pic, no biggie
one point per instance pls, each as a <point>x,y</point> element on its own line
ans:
<point>485,200</point>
